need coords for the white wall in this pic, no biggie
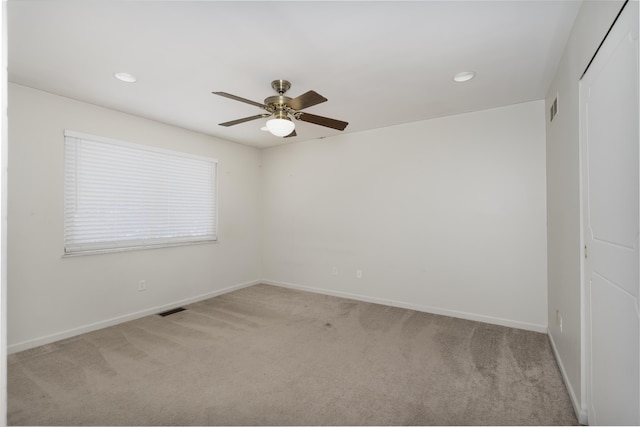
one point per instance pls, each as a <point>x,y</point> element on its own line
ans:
<point>563,192</point>
<point>50,297</point>
<point>3,213</point>
<point>446,215</point>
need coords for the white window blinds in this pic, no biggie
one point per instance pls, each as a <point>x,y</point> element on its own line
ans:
<point>119,195</point>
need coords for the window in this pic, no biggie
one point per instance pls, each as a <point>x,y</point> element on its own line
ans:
<point>119,195</point>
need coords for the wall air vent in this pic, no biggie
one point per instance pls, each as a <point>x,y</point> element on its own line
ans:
<point>172,311</point>
<point>554,109</point>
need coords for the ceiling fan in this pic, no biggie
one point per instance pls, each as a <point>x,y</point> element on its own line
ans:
<point>282,108</point>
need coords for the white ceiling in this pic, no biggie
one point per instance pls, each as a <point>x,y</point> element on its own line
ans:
<point>379,63</point>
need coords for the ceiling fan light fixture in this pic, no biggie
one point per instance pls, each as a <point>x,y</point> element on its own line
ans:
<point>280,127</point>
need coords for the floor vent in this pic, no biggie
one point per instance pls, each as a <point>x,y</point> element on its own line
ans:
<point>172,311</point>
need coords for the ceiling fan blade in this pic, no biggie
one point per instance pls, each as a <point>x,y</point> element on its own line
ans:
<point>292,134</point>
<point>322,121</point>
<point>237,98</point>
<point>246,119</point>
<point>306,100</point>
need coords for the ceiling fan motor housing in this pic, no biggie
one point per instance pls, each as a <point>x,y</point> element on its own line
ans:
<point>281,114</point>
<point>275,101</point>
<point>279,104</point>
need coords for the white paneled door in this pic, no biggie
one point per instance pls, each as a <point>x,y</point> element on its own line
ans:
<point>611,218</point>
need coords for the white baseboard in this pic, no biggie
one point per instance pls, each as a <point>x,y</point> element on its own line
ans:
<point>581,412</point>
<point>417,307</point>
<point>25,345</point>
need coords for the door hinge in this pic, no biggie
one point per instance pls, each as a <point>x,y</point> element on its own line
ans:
<point>586,252</point>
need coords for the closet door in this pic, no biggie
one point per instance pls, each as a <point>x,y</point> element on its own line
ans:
<point>611,218</point>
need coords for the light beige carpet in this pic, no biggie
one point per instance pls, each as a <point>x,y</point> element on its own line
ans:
<point>271,356</point>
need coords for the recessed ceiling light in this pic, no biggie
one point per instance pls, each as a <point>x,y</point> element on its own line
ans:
<point>464,76</point>
<point>125,77</point>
